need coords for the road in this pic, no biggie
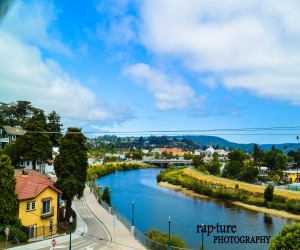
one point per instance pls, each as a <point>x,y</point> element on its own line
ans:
<point>92,236</point>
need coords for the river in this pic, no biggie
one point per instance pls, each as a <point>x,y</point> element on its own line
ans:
<point>154,204</point>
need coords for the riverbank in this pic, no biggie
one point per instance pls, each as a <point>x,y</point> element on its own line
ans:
<point>278,213</point>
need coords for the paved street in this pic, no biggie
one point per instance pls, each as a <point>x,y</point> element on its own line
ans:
<point>95,230</point>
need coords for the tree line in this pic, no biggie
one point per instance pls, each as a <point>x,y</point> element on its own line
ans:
<point>43,133</point>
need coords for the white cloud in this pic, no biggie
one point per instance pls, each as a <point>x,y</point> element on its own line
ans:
<point>34,22</point>
<point>26,76</point>
<point>26,32</point>
<point>118,24</point>
<point>253,45</point>
<point>169,92</point>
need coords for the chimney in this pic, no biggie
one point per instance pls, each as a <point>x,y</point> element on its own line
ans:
<point>24,173</point>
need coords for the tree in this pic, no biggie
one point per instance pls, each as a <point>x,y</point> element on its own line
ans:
<point>54,127</point>
<point>257,154</point>
<point>235,165</point>
<point>249,173</point>
<point>8,197</point>
<point>137,155</point>
<point>232,169</point>
<point>270,158</point>
<point>15,113</point>
<point>268,194</point>
<point>281,161</point>
<point>276,178</point>
<point>287,239</point>
<point>237,155</point>
<point>71,167</point>
<point>188,156</point>
<point>14,151</point>
<point>106,196</point>
<point>214,167</point>
<point>37,146</point>
<point>198,160</point>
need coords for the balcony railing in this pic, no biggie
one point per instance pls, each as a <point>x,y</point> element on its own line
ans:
<point>48,213</point>
<point>4,140</point>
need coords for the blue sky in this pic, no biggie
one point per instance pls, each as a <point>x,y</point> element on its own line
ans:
<point>150,65</point>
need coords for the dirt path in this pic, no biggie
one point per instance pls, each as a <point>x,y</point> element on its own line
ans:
<point>242,185</point>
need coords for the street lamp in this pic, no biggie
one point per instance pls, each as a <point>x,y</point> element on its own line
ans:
<point>71,221</point>
<point>132,217</point>
<point>202,231</point>
<point>169,241</point>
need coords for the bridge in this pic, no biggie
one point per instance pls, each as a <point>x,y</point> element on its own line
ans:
<point>165,162</point>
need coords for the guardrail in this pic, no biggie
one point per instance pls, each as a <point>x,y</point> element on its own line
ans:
<point>138,235</point>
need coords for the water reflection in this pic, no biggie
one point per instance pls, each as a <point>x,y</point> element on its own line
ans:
<point>268,222</point>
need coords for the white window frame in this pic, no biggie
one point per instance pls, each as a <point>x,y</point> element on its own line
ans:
<point>31,232</point>
<point>33,205</point>
<point>28,206</point>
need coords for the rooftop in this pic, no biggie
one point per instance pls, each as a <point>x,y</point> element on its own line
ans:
<point>31,183</point>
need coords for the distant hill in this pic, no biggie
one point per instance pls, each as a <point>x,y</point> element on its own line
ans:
<point>217,142</point>
<point>185,142</point>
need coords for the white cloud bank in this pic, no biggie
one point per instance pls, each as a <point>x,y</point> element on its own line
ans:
<point>26,75</point>
<point>169,92</point>
<point>252,45</point>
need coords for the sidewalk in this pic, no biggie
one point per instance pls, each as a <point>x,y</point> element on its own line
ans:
<point>119,235</point>
<point>121,238</point>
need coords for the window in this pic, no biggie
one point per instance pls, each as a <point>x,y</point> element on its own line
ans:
<point>27,206</point>
<point>33,205</point>
<point>13,137</point>
<point>46,207</point>
<point>31,232</point>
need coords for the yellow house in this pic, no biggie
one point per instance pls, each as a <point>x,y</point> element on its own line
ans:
<point>38,203</point>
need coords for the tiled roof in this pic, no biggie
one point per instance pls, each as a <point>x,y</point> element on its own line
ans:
<point>31,185</point>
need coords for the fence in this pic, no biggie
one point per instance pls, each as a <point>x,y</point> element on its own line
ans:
<point>141,237</point>
<point>37,233</point>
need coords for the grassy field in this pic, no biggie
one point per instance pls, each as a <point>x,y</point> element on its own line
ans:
<point>242,185</point>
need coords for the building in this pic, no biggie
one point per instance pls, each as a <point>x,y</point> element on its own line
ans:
<point>38,203</point>
<point>291,176</point>
<point>42,167</point>
<point>221,152</point>
<point>175,151</point>
<point>9,134</point>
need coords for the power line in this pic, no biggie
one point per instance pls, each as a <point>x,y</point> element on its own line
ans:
<point>181,131</point>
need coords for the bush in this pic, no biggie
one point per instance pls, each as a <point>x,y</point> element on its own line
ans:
<point>287,239</point>
<point>21,236</point>
<point>160,237</point>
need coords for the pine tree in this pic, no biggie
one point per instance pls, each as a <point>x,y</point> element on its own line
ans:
<point>106,196</point>
<point>71,167</point>
<point>268,194</point>
<point>38,146</point>
<point>8,197</point>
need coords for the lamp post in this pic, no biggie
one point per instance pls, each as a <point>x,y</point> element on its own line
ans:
<point>132,215</point>
<point>71,221</point>
<point>202,231</point>
<point>169,240</point>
